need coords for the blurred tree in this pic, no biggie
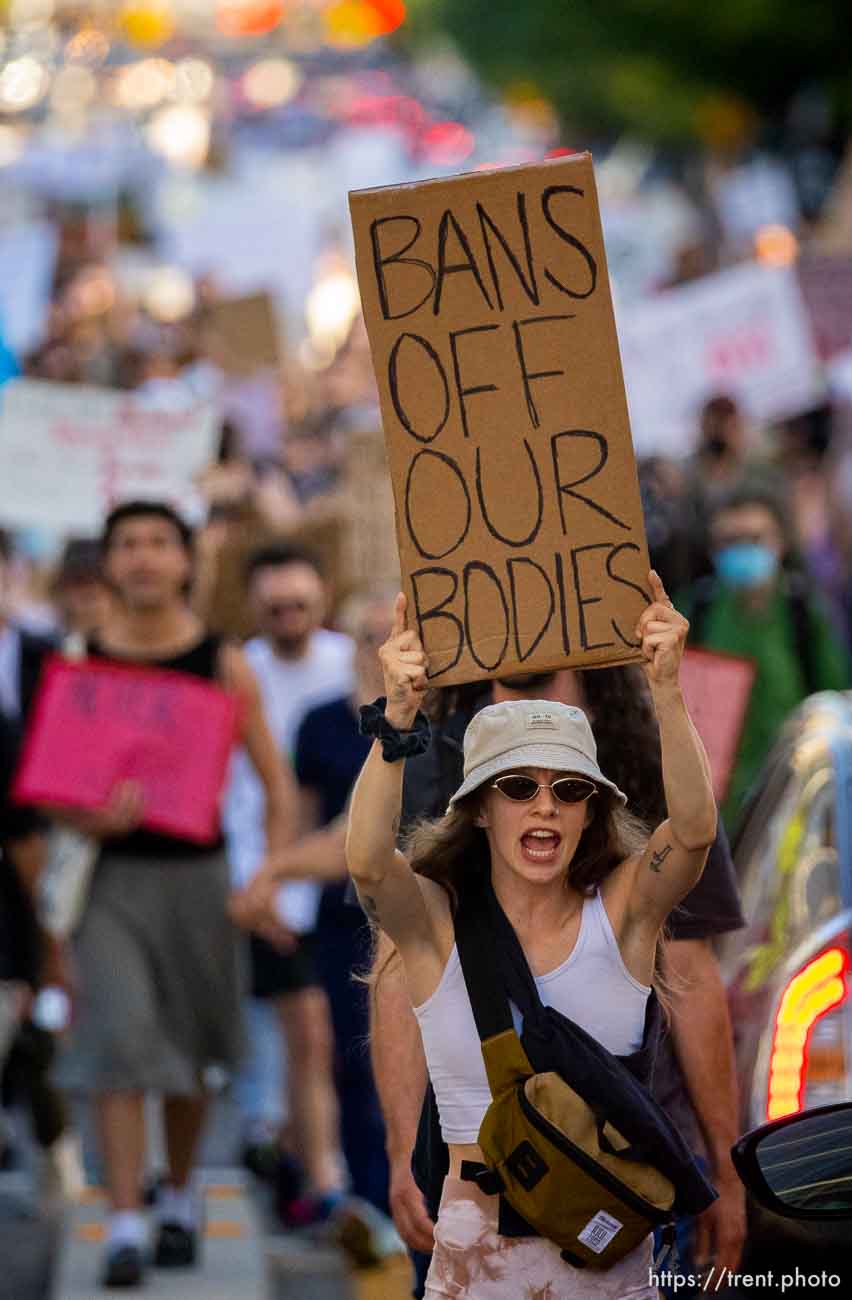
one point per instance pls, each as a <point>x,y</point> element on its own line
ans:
<point>671,69</point>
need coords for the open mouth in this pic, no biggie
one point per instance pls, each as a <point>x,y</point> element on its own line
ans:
<point>541,846</point>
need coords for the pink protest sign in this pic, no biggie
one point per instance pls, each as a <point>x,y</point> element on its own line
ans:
<point>717,689</point>
<point>96,723</point>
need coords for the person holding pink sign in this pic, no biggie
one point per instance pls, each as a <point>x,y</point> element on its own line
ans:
<point>156,950</point>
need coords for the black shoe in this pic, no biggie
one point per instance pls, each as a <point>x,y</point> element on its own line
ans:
<point>261,1159</point>
<point>124,1267</point>
<point>289,1183</point>
<point>177,1246</point>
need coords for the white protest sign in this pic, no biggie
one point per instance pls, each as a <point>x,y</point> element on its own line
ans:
<point>742,332</point>
<point>68,453</point>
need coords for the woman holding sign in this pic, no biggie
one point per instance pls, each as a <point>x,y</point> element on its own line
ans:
<point>535,845</point>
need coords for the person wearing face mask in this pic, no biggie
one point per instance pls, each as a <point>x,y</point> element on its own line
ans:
<point>727,453</point>
<point>758,607</point>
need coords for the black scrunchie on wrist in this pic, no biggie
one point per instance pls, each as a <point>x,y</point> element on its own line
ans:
<point>395,744</point>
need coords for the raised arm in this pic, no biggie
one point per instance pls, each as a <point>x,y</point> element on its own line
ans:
<point>674,859</point>
<point>406,908</point>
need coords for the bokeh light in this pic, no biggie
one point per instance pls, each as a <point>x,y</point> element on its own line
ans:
<point>271,82</point>
<point>88,45</point>
<point>145,84</point>
<point>353,23</point>
<point>194,81</point>
<point>180,134</point>
<point>447,143</point>
<point>169,295</point>
<point>147,23</point>
<point>391,14</point>
<point>23,82</point>
<point>332,306</point>
<point>776,246</point>
<point>248,17</point>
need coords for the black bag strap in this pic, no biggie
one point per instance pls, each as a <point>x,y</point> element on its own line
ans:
<point>480,966</point>
<point>493,962</point>
<point>517,977</point>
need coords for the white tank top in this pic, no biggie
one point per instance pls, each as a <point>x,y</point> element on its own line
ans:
<point>592,987</point>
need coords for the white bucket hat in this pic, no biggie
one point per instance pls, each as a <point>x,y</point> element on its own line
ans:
<point>529,733</point>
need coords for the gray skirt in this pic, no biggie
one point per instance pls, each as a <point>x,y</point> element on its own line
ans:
<point>160,977</point>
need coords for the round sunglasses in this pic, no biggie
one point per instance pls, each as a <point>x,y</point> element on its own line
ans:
<point>567,789</point>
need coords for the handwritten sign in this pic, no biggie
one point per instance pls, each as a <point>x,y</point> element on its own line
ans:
<point>97,723</point>
<point>518,516</point>
<point>68,453</point>
<point>717,689</point>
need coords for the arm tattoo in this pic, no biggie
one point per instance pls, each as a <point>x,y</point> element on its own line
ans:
<point>658,858</point>
<point>369,906</point>
<point>395,824</point>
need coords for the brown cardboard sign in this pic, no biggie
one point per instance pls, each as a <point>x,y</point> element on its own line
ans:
<point>519,521</point>
<point>244,332</point>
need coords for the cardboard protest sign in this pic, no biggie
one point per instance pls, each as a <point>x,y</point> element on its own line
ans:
<point>69,453</point>
<point>370,557</point>
<point>224,603</point>
<point>519,522</point>
<point>97,723</point>
<point>244,332</point>
<point>717,689</point>
<point>743,332</point>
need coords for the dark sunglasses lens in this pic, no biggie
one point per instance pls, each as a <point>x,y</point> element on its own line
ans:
<point>520,788</point>
<point>569,790</point>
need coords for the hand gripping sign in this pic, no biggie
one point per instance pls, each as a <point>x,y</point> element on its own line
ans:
<point>518,515</point>
<point>97,723</point>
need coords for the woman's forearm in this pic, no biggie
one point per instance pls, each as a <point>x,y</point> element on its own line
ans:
<point>374,817</point>
<point>686,771</point>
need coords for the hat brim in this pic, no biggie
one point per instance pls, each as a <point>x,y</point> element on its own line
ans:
<point>556,757</point>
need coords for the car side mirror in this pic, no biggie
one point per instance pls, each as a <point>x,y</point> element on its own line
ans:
<point>801,1166</point>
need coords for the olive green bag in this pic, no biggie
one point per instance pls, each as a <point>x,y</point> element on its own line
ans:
<point>551,1148</point>
<point>559,1166</point>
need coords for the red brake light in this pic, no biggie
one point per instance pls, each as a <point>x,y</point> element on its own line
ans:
<point>817,989</point>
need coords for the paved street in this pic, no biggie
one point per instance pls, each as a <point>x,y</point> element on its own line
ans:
<point>234,1264</point>
<point>233,1257</point>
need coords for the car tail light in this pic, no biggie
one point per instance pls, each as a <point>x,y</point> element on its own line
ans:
<point>808,1039</point>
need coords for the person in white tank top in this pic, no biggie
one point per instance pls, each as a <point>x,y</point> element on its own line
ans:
<point>586,890</point>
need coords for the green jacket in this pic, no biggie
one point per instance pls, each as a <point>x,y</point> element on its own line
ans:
<point>767,636</point>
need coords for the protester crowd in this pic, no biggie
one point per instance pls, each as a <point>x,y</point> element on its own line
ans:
<point>750,535</point>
